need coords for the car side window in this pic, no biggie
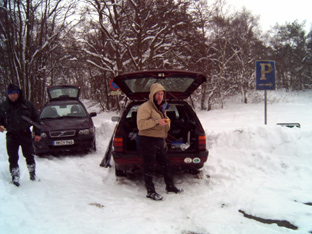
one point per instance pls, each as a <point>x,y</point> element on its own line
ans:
<point>133,109</point>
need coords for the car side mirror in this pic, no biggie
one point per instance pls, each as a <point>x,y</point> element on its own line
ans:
<point>115,118</point>
<point>93,114</point>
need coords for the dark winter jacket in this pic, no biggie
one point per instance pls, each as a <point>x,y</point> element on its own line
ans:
<point>148,116</point>
<point>11,115</point>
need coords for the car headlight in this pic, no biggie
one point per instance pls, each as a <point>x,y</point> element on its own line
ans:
<point>86,131</point>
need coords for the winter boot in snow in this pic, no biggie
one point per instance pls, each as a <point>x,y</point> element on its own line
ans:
<point>15,172</point>
<point>155,196</point>
<point>32,171</point>
<point>173,189</point>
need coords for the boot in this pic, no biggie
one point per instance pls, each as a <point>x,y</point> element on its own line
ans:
<point>15,172</point>
<point>155,196</point>
<point>32,171</point>
<point>174,189</point>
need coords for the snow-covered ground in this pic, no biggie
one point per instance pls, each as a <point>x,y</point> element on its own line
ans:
<point>260,170</point>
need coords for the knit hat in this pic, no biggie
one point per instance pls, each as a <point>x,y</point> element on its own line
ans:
<point>12,88</point>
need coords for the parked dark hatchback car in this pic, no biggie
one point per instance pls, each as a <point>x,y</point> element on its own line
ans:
<point>66,124</point>
<point>186,139</point>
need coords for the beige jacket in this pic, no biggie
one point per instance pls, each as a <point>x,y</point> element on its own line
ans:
<point>148,116</point>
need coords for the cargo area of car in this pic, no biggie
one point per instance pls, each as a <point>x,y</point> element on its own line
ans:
<point>181,137</point>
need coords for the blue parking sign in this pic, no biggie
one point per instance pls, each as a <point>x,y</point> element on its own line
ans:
<point>265,75</point>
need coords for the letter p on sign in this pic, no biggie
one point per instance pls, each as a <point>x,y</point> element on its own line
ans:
<point>266,68</point>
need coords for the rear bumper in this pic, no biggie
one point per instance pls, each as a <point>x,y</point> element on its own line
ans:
<point>130,161</point>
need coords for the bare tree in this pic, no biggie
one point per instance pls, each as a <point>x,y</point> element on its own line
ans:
<point>247,48</point>
<point>31,33</point>
<point>152,32</point>
<point>125,35</point>
<point>291,52</point>
<point>237,44</point>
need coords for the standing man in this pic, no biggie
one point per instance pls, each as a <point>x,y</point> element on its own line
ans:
<point>153,125</point>
<point>12,113</point>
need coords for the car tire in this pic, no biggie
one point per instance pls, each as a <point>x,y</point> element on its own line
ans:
<point>94,146</point>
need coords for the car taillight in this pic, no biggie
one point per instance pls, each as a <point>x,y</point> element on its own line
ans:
<point>118,144</point>
<point>202,142</point>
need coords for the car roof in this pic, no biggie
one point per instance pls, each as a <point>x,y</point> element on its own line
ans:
<point>178,84</point>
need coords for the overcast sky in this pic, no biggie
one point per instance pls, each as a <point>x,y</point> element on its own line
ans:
<point>277,11</point>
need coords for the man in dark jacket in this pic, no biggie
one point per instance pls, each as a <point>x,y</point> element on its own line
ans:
<point>13,113</point>
<point>153,125</point>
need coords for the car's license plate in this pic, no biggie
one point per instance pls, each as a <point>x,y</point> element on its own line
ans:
<point>63,142</point>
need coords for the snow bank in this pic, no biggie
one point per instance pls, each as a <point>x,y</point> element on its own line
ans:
<point>263,170</point>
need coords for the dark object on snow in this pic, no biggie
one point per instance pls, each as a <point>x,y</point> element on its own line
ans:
<point>281,223</point>
<point>289,125</point>
<point>108,153</point>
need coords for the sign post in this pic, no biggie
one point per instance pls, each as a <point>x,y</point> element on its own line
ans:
<point>265,77</point>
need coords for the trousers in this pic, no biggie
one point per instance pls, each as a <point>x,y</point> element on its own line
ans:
<point>13,142</point>
<point>153,150</point>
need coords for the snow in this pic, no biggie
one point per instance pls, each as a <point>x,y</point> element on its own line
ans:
<point>263,170</point>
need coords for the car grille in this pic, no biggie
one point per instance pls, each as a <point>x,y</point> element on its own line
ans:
<point>67,133</point>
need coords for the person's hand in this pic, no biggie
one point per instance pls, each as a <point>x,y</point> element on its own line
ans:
<point>162,122</point>
<point>2,129</point>
<point>37,138</point>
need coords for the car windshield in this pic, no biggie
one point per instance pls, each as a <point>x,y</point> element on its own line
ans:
<point>63,110</point>
<point>172,84</point>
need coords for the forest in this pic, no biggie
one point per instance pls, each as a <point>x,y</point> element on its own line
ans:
<point>88,42</point>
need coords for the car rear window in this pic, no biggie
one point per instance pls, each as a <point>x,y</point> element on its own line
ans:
<point>59,92</point>
<point>171,84</point>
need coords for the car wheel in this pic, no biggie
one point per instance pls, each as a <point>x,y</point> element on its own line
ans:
<point>94,146</point>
